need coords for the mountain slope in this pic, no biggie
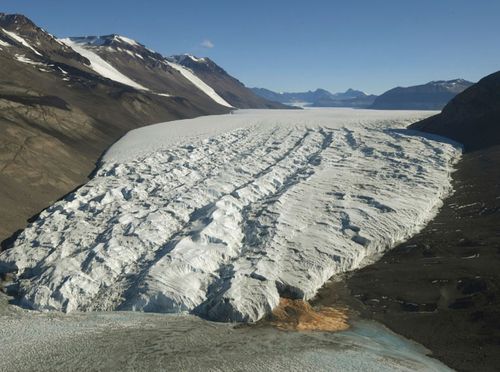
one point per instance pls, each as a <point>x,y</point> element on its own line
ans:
<point>472,117</point>
<point>431,96</point>
<point>57,115</point>
<point>127,61</point>
<point>226,86</point>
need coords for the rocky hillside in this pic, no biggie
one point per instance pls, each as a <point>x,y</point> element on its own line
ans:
<point>63,103</point>
<point>472,117</point>
<point>431,96</point>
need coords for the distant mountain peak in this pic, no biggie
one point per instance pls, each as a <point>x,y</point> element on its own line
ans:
<point>320,90</point>
<point>449,81</point>
<point>106,40</point>
<point>198,63</point>
<point>19,24</point>
<point>319,98</point>
<point>182,57</point>
<point>355,91</point>
<point>18,19</point>
<point>189,58</point>
<point>350,93</point>
<point>433,95</point>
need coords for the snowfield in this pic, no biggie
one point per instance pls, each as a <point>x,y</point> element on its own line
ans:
<point>220,216</point>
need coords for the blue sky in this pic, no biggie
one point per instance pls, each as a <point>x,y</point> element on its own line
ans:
<point>371,45</point>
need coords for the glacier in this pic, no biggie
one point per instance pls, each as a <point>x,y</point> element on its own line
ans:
<point>220,216</point>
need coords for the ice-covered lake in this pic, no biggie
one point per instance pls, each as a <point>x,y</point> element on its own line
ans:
<point>220,216</point>
<point>125,341</point>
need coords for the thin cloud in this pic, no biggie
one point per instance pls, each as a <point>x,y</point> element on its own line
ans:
<point>207,44</point>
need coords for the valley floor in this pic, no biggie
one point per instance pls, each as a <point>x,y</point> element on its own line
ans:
<point>221,217</point>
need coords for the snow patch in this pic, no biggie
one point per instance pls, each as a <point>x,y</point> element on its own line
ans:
<point>200,84</point>
<point>196,59</point>
<point>20,40</point>
<point>23,59</point>
<point>100,66</point>
<point>126,40</point>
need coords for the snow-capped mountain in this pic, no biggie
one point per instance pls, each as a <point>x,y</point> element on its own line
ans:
<point>319,98</point>
<point>63,102</point>
<point>129,62</point>
<point>431,96</point>
<point>472,117</point>
<point>144,69</point>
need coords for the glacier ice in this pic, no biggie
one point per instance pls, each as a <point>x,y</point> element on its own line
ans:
<point>220,216</point>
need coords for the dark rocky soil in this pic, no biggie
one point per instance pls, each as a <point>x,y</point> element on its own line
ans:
<point>442,287</point>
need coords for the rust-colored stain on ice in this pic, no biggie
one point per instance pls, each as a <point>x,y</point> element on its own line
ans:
<point>299,315</point>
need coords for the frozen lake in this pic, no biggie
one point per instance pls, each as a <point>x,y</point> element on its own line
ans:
<point>131,341</point>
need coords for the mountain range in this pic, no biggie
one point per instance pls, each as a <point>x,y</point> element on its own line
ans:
<point>63,102</point>
<point>318,98</point>
<point>431,96</point>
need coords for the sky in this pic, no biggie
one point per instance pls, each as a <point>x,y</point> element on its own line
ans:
<point>371,45</point>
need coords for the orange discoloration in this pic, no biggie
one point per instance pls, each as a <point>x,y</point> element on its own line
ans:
<point>299,315</point>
